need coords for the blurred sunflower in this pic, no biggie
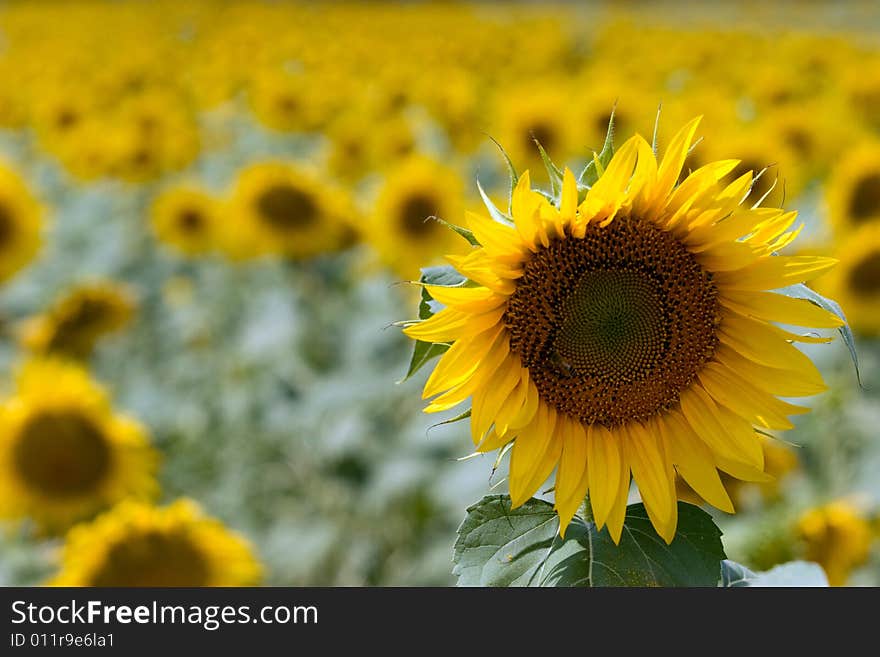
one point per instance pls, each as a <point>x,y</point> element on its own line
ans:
<point>186,218</point>
<point>64,454</point>
<point>79,318</point>
<point>20,224</point>
<point>629,333</point>
<point>853,191</point>
<point>279,208</point>
<point>855,283</point>
<point>137,544</point>
<point>837,537</point>
<point>402,229</point>
<point>529,114</point>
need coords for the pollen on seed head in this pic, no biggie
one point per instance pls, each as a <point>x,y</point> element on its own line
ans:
<point>615,325</point>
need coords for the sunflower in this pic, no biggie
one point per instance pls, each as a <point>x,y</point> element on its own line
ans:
<point>186,218</point>
<point>64,454</point>
<point>853,192</point>
<point>837,537</point>
<point>280,208</point>
<point>631,332</point>
<point>79,318</point>
<point>856,282</point>
<point>20,224</point>
<point>403,229</point>
<point>137,544</point>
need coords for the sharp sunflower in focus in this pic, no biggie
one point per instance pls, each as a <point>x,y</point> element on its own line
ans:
<point>628,329</point>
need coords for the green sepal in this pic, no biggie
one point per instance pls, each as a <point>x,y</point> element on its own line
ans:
<point>554,173</point>
<point>511,173</point>
<point>802,291</point>
<point>494,212</point>
<point>594,169</point>
<point>461,230</point>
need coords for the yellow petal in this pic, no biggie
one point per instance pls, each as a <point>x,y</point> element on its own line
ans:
<point>761,343</point>
<point>694,461</point>
<point>773,272</point>
<point>569,201</point>
<point>467,299</point>
<point>772,307</point>
<point>501,242</point>
<point>673,160</point>
<point>618,510</point>
<point>570,478</point>
<point>652,471</point>
<point>803,382</point>
<point>461,360</point>
<point>482,375</point>
<point>513,403</point>
<point>606,195</point>
<point>531,445</point>
<point>745,400</point>
<point>487,401</point>
<point>603,461</point>
<point>704,417</point>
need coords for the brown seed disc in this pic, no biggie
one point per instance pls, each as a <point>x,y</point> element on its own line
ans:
<point>864,278</point>
<point>284,208</point>
<point>865,200</point>
<point>62,453</point>
<point>153,559</point>
<point>612,327</point>
<point>414,213</point>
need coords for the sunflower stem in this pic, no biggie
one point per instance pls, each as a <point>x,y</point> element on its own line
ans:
<point>587,510</point>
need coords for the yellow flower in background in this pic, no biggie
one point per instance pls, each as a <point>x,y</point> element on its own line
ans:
<point>402,230</point>
<point>837,537</point>
<point>79,318</point>
<point>20,224</point>
<point>64,453</point>
<point>284,209</point>
<point>526,114</point>
<point>853,190</point>
<point>187,218</point>
<point>138,544</point>
<point>855,282</point>
<point>631,333</point>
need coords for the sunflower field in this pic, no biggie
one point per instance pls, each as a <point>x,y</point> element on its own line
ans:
<point>627,259</point>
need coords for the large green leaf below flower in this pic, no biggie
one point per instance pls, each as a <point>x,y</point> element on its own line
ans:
<point>500,546</point>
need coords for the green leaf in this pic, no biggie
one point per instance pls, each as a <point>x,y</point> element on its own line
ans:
<point>794,573</point>
<point>498,546</point>
<point>801,291</point>
<point>453,420</point>
<point>591,172</point>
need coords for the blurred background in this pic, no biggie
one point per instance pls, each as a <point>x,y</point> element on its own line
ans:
<point>207,211</point>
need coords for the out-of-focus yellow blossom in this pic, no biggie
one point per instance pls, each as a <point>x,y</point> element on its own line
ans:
<point>64,453</point>
<point>838,537</point>
<point>79,318</point>
<point>136,544</point>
